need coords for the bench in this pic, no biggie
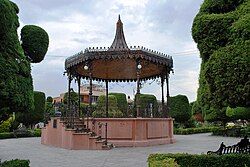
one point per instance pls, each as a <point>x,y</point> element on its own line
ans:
<point>234,149</point>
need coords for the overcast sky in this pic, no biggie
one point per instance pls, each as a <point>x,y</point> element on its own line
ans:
<point>73,25</point>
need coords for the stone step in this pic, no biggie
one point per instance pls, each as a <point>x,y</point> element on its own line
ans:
<point>107,147</point>
<point>98,138</point>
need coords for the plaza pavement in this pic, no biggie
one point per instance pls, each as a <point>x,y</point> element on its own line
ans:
<point>45,156</point>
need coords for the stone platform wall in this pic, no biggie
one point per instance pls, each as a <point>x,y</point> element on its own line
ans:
<point>135,131</point>
<point>122,132</point>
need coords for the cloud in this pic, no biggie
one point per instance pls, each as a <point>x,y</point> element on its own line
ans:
<point>74,25</point>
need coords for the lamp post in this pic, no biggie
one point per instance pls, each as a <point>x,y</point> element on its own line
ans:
<point>167,107</point>
<point>107,114</point>
<point>79,95</point>
<point>68,112</point>
<point>162,96</point>
<point>88,68</point>
<point>138,72</point>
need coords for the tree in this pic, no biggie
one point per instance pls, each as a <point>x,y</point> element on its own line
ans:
<point>197,112</point>
<point>238,113</point>
<point>39,102</point>
<point>113,110</point>
<point>121,102</point>
<point>73,97</point>
<point>16,86</point>
<point>179,108</point>
<point>146,102</point>
<point>221,30</point>
<point>35,42</point>
<point>37,114</point>
<point>49,99</point>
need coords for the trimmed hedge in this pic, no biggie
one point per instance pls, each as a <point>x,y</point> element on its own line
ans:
<point>7,135</point>
<point>39,102</point>
<point>189,160</point>
<point>232,131</point>
<point>37,114</point>
<point>188,131</point>
<point>179,108</point>
<point>121,102</point>
<point>15,163</point>
<point>145,100</point>
<point>49,99</point>
<point>113,110</point>
<point>29,133</point>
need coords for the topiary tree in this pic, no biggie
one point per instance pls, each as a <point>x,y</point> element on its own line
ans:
<point>37,114</point>
<point>121,102</point>
<point>49,99</point>
<point>221,30</point>
<point>113,110</point>
<point>197,112</point>
<point>73,97</point>
<point>35,42</point>
<point>179,108</point>
<point>39,101</point>
<point>145,101</point>
<point>16,87</point>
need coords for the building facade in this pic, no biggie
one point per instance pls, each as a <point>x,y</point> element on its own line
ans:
<point>98,90</point>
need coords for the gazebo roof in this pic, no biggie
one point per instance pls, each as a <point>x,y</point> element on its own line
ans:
<point>118,62</point>
<point>119,42</point>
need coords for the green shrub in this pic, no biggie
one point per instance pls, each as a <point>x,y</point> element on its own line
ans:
<point>179,108</point>
<point>196,108</point>
<point>188,160</point>
<point>7,135</point>
<point>6,125</point>
<point>187,131</point>
<point>39,101</point>
<point>49,99</point>
<point>121,102</point>
<point>37,132</point>
<point>232,131</point>
<point>35,42</point>
<point>168,162</point>
<point>73,97</point>
<point>21,134</point>
<point>37,114</point>
<point>49,109</point>
<point>219,6</point>
<point>238,113</point>
<point>15,163</point>
<point>145,101</point>
<point>221,30</point>
<point>113,111</point>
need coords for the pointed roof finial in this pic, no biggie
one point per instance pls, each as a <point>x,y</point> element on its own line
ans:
<point>119,42</point>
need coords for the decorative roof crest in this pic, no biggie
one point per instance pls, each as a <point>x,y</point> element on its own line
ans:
<point>119,42</point>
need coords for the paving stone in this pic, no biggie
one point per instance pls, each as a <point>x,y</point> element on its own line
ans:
<point>41,155</point>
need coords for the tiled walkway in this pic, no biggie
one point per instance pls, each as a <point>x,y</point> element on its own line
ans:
<point>41,155</point>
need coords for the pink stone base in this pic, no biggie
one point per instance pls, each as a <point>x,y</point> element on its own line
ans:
<point>136,132</point>
<point>122,132</point>
<point>142,143</point>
